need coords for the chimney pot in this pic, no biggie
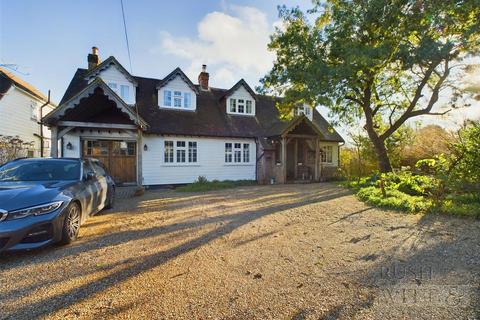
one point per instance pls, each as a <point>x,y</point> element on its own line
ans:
<point>93,58</point>
<point>203,78</point>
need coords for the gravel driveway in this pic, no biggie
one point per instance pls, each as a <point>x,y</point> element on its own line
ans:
<point>264,252</point>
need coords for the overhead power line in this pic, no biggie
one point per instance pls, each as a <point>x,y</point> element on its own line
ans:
<point>126,36</point>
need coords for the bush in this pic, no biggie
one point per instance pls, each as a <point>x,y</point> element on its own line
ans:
<point>409,183</point>
<point>395,200</point>
<point>12,148</point>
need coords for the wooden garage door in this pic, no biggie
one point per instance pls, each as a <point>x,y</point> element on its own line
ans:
<point>120,157</point>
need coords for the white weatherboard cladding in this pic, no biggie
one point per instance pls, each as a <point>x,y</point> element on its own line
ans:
<point>177,84</point>
<point>334,153</point>
<point>16,118</point>
<point>73,137</point>
<point>210,163</point>
<point>112,74</point>
<point>241,93</point>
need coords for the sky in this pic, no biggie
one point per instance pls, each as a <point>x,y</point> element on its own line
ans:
<point>48,40</point>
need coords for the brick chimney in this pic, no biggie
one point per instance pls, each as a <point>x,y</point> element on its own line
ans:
<point>93,58</point>
<point>203,78</point>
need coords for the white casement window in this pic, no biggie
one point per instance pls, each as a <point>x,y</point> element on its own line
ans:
<point>180,151</point>
<point>168,152</point>
<point>240,106</point>
<point>237,152</point>
<point>233,105</point>
<point>187,99</point>
<point>228,152</point>
<point>167,98</point>
<point>33,111</point>
<point>125,92</point>
<point>192,151</point>
<point>248,107</point>
<point>177,99</point>
<point>327,154</point>
<point>246,152</point>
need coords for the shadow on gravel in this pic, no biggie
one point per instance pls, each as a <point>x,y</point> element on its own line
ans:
<point>133,267</point>
<point>433,273</point>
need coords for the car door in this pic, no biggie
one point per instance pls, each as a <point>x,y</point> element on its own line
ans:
<point>91,187</point>
<point>101,176</point>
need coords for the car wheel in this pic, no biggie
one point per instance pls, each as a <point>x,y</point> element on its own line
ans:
<point>71,225</point>
<point>110,201</point>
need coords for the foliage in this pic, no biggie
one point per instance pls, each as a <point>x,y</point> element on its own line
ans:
<point>12,148</point>
<point>395,200</point>
<point>426,143</point>
<point>203,185</point>
<point>382,61</point>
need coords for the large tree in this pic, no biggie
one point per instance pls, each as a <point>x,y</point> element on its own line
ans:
<point>384,61</point>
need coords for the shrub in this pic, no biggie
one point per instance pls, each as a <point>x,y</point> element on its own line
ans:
<point>409,183</point>
<point>201,179</point>
<point>395,199</point>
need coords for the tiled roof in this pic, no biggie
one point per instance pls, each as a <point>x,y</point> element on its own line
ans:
<point>210,117</point>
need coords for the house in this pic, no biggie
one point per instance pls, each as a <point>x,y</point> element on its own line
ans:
<point>22,107</point>
<point>171,131</point>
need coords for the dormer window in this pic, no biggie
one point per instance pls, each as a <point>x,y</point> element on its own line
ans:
<point>241,106</point>
<point>180,99</point>
<point>305,109</point>
<point>122,90</point>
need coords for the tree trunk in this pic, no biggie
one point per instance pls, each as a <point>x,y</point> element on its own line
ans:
<point>381,151</point>
<point>382,156</point>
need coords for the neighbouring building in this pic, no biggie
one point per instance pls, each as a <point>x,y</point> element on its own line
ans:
<point>171,131</point>
<point>22,107</point>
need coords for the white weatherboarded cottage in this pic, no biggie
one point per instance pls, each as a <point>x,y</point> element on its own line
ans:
<point>171,131</point>
<point>21,109</point>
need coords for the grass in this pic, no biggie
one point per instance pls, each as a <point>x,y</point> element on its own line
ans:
<point>203,186</point>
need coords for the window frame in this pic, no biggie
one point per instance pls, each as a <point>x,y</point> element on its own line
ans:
<point>240,106</point>
<point>178,150</point>
<point>237,153</point>
<point>327,154</point>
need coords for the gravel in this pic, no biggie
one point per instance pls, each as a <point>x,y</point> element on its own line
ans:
<point>264,252</point>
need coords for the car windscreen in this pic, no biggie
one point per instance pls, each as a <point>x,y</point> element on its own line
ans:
<point>40,170</point>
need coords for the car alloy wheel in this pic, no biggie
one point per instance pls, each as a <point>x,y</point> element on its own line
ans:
<point>73,221</point>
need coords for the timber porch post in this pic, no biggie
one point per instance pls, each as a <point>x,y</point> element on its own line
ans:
<point>54,142</point>
<point>316,160</point>
<point>284,159</point>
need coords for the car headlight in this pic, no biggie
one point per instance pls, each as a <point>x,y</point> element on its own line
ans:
<point>34,211</point>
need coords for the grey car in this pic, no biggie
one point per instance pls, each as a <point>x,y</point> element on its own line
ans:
<point>45,201</point>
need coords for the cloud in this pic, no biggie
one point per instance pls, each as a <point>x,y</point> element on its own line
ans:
<point>233,44</point>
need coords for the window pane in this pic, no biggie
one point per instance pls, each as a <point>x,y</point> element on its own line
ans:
<point>249,107</point>
<point>181,144</point>
<point>228,152</point>
<point>192,151</point>
<point>168,151</point>
<point>124,92</point>
<point>187,98</point>
<point>241,106</point>
<point>238,156</point>
<point>238,145</point>
<point>112,86</point>
<point>246,152</point>
<point>233,105</point>
<point>167,98</point>
<point>180,155</point>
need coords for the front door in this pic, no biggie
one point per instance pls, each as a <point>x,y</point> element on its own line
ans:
<point>119,157</point>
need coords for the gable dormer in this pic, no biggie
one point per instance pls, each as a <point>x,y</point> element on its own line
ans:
<point>241,99</point>
<point>114,75</point>
<point>177,92</point>
<point>304,109</point>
